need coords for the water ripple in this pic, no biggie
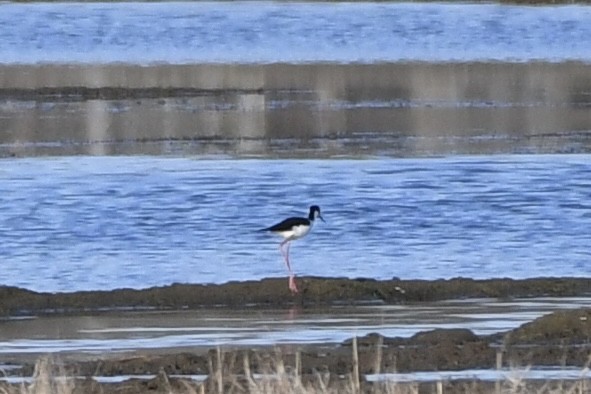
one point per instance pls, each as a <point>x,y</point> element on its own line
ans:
<point>253,31</point>
<point>78,223</point>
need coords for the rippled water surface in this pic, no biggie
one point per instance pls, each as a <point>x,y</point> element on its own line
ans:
<point>78,223</point>
<point>180,32</point>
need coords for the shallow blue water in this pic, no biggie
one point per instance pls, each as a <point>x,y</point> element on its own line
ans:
<point>77,223</point>
<point>252,31</point>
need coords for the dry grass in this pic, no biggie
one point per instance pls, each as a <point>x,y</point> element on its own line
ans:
<point>280,378</point>
<point>45,381</point>
<point>50,378</point>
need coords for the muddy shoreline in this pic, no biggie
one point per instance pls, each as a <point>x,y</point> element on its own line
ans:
<point>314,291</point>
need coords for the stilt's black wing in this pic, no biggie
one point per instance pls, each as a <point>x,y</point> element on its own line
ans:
<point>287,224</point>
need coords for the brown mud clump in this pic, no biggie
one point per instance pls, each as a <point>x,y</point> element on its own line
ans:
<point>558,328</point>
<point>560,338</point>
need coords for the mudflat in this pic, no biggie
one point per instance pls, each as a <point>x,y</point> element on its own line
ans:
<point>314,291</point>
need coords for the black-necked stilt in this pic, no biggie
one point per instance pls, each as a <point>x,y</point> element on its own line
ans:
<point>291,229</point>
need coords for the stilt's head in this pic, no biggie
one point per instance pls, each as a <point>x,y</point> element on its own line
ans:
<point>315,213</point>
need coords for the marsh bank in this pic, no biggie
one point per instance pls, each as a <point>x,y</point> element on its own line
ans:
<point>273,109</point>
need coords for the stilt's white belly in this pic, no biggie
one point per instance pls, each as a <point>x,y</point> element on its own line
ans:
<point>296,232</point>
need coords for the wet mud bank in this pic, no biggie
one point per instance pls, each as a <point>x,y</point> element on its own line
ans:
<point>314,291</point>
<point>559,339</point>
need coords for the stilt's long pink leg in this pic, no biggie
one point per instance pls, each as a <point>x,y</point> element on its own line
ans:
<point>292,284</point>
<point>285,255</point>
